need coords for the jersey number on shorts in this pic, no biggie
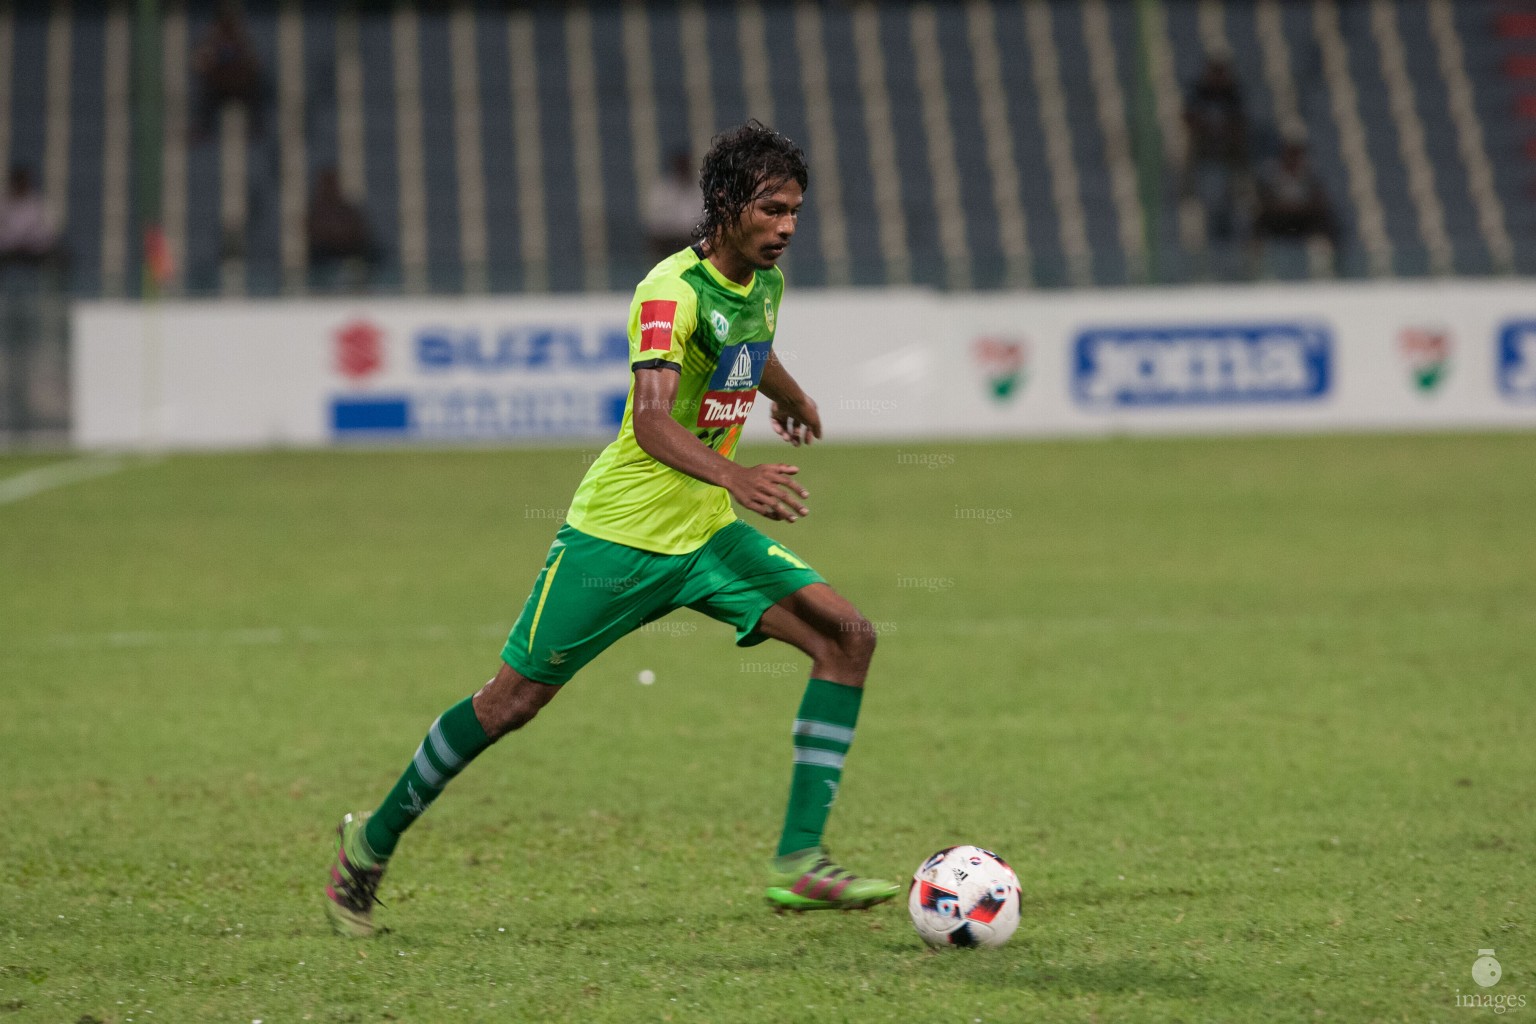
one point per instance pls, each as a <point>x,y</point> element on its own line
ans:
<point>774,549</point>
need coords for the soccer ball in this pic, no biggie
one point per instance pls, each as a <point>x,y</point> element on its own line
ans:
<point>964,896</point>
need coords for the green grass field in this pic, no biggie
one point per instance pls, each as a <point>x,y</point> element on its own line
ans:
<point>1247,716</point>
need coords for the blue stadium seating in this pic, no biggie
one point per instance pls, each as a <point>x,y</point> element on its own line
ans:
<point>855,193</point>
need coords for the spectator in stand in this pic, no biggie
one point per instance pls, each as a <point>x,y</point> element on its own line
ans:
<point>342,249</point>
<point>29,254</point>
<point>228,71</point>
<point>27,234</point>
<point>1293,204</point>
<point>1216,167</point>
<point>674,208</point>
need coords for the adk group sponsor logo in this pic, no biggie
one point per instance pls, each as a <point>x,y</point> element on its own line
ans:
<point>1516,366</point>
<point>1130,367</point>
<point>740,366</point>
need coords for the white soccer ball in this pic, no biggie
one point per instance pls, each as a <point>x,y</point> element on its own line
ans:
<point>964,896</point>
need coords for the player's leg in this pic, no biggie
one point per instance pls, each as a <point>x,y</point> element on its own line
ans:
<point>460,734</point>
<point>825,625</point>
<point>366,841</point>
<point>589,594</point>
<point>767,592</point>
<point>840,643</point>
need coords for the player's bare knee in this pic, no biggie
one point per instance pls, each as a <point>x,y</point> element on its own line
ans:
<point>509,702</point>
<point>523,710</point>
<point>856,639</point>
<point>498,718</point>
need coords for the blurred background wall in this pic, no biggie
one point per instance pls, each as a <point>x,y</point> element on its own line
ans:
<point>168,149</point>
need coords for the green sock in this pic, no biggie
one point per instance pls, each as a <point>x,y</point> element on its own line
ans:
<point>823,734</point>
<point>452,742</point>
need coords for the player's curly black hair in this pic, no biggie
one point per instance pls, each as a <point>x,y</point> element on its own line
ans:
<point>743,165</point>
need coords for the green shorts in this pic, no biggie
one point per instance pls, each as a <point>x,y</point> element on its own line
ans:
<point>591,592</point>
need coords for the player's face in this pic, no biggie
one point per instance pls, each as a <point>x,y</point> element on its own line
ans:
<point>767,225</point>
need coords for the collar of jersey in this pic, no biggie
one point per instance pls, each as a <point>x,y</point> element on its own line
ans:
<point>725,282</point>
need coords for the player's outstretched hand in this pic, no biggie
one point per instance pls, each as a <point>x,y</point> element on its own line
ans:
<point>796,423</point>
<point>770,490</point>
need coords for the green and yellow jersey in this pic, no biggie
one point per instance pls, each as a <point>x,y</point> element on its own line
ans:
<point>716,334</point>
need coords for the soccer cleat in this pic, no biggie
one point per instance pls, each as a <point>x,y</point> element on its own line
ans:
<point>350,896</point>
<point>810,881</point>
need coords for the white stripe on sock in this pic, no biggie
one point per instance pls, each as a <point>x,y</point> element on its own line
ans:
<point>823,731</point>
<point>446,754</point>
<point>429,774</point>
<point>823,758</point>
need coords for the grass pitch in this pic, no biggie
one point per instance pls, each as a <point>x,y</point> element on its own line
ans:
<point>1250,717</point>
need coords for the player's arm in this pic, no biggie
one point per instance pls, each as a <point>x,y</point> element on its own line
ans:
<point>795,417</point>
<point>769,489</point>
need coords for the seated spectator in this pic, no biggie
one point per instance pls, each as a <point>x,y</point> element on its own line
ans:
<point>1217,160</point>
<point>27,233</point>
<point>228,71</point>
<point>341,240</point>
<point>1292,201</point>
<point>1293,206</point>
<point>673,208</point>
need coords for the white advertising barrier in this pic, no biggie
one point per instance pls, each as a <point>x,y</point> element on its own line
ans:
<point>1397,355</point>
<point>221,374</point>
<point>903,364</point>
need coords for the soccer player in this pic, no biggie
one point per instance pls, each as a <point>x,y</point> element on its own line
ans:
<point>651,529</point>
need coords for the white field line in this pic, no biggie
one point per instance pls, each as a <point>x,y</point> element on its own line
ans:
<point>59,474</point>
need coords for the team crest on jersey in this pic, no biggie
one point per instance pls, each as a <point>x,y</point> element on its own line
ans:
<point>721,325</point>
<point>740,366</point>
<point>768,312</point>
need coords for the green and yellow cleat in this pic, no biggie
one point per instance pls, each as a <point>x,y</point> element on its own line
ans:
<point>351,893</point>
<point>808,880</point>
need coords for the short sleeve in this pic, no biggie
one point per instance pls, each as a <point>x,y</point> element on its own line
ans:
<point>661,320</point>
